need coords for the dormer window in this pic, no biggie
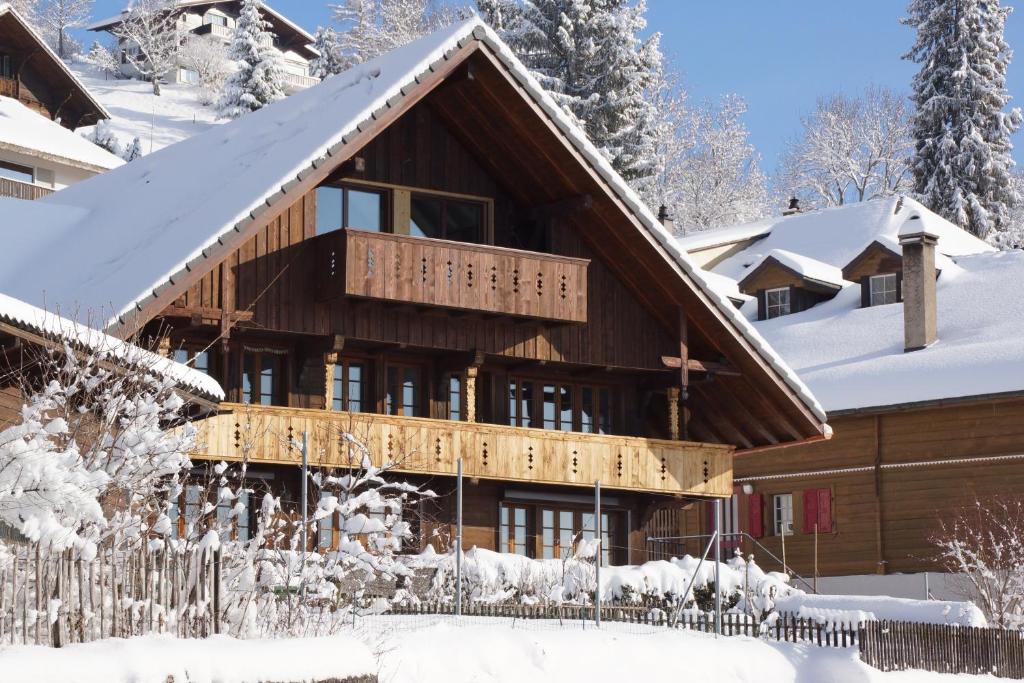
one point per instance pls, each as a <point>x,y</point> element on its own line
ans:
<point>884,289</point>
<point>776,302</point>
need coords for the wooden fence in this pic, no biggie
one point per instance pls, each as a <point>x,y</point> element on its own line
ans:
<point>56,599</point>
<point>898,646</point>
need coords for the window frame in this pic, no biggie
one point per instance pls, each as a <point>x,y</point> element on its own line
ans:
<point>602,420</point>
<point>345,188</point>
<point>894,291</point>
<point>782,308</point>
<point>5,66</point>
<point>421,405</point>
<point>344,365</point>
<point>30,171</point>
<point>446,199</point>
<point>279,390</point>
<point>779,521</point>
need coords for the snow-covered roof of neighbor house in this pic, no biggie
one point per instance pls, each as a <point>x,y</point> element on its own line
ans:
<point>7,9</point>
<point>26,132</point>
<point>708,239</point>
<point>806,267</point>
<point>129,233</point>
<point>853,357</point>
<point>55,327</point>
<point>106,23</point>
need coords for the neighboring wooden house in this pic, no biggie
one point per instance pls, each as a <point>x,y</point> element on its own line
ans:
<point>427,253</point>
<point>216,19</point>
<point>922,379</point>
<point>41,104</point>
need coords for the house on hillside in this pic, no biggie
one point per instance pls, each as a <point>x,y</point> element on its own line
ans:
<point>909,330</point>
<point>217,21</point>
<point>41,104</point>
<point>427,254</point>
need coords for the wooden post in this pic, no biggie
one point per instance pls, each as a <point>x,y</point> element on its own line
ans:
<point>684,371</point>
<point>216,590</point>
<point>673,412</point>
<point>471,373</point>
<point>330,360</point>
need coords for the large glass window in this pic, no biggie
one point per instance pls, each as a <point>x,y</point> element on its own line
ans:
<point>404,388</point>
<point>782,508</point>
<point>520,403</point>
<point>883,289</point>
<point>262,381</point>
<point>17,172</point>
<point>776,302</point>
<point>349,207</point>
<point>595,410</point>
<point>454,387</point>
<point>349,385</point>
<point>446,218</point>
<point>562,407</point>
<point>512,530</point>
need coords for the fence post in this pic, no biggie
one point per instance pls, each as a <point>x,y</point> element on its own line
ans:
<point>216,589</point>
<point>458,538</point>
<point>597,558</point>
<point>718,564</point>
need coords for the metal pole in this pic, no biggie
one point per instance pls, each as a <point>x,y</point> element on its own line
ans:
<point>597,559</point>
<point>458,538</point>
<point>305,510</point>
<point>718,564</point>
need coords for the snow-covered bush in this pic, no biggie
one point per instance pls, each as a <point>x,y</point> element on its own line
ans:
<point>103,136</point>
<point>208,58</point>
<point>104,59</point>
<point>133,151</point>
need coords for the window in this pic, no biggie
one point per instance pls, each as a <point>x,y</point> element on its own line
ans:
<point>403,391</point>
<point>512,530</point>
<point>557,532</point>
<point>262,381</point>
<point>188,75</point>
<point>520,403</point>
<point>216,19</point>
<point>560,407</point>
<point>454,388</point>
<point>883,289</point>
<point>197,360</point>
<point>5,66</point>
<point>350,207</point>
<point>325,527</point>
<point>17,172</point>
<point>596,410</point>
<point>782,509</point>
<point>349,385</point>
<point>557,407</point>
<point>445,218</point>
<point>776,302</point>
<point>231,526</point>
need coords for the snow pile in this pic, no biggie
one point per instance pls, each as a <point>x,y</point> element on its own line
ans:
<point>851,609</point>
<point>25,131</point>
<point>219,659</point>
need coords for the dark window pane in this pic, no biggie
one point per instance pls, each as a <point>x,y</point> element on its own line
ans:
<point>403,392</point>
<point>513,405</point>
<point>355,387</point>
<point>605,411</point>
<point>268,379</point>
<point>526,404</point>
<point>16,172</point>
<point>464,221</point>
<point>587,409</point>
<point>328,209</point>
<point>565,409</point>
<point>338,385</point>
<point>454,397</point>
<point>549,419</point>
<point>425,217</point>
<point>248,379</point>
<point>364,210</point>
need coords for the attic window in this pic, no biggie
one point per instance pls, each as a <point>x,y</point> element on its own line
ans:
<point>776,302</point>
<point>883,289</point>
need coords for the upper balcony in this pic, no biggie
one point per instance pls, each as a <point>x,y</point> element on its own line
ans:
<point>427,446</point>
<point>453,275</point>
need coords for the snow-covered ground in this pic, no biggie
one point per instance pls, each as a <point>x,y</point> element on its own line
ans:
<point>444,650</point>
<point>157,121</point>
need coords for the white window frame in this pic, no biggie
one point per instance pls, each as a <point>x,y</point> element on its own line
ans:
<point>782,514</point>
<point>885,294</point>
<point>781,307</point>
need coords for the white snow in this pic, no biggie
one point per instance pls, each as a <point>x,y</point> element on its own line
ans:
<point>54,326</point>
<point>25,131</point>
<point>807,267</point>
<point>851,609</point>
<point>219,659</point>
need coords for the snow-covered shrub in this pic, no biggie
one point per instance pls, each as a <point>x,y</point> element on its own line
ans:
<point>134,151</point>
<point>104,137</point>
<point>208,58</point>
<point>104,59</point>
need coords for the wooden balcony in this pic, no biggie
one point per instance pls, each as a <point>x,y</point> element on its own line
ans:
<point>20,190</point>
<point>489,451</point>
<point>455,275</point>
<point>9,87</point>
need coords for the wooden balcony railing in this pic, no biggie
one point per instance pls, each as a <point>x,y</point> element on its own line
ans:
<point>20,190</point>
<point>9,87</point>
<point>472,277</point>
<point>420,445</point>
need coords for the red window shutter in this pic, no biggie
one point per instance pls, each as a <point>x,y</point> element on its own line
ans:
<point>755,515</point>
<point>824,511</point>
<point>810,510</point>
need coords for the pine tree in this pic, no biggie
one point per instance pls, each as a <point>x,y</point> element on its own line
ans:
<point>330,61</point>
<point>962,162</point>
<point>134,151</point>
<point>260,77</point>
<point>589,56</point>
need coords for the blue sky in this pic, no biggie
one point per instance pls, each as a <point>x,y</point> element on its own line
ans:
<point>780,55</point>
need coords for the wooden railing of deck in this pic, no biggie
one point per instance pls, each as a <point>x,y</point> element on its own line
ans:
<point>419,445</point>
<point>20,190</point>
<point>472,277</point>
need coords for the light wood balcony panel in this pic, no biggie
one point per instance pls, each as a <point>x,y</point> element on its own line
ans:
<point>20,190</point>
<point>458,275</point>
<point>489,451</point>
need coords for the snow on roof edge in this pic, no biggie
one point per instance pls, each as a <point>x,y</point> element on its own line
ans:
<point>460,34</point>
<point>6,8</point>
<point>25,315</point>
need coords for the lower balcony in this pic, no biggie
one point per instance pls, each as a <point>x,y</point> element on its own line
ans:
<point>425,446</point>
<point>20,190</point>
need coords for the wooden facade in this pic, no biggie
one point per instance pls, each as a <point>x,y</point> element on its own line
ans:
<point>32,74</point>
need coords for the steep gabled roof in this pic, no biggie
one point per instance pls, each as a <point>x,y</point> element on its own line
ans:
<point>811,270</point>
<point>26,132</point>
<point>59,68</point>
<point>183,209</point>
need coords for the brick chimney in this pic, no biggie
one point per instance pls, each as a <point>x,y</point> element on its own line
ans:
<point>919,304</point>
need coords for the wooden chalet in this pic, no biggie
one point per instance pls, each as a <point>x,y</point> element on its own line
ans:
<point>926,423</point>
<point>450,270</point>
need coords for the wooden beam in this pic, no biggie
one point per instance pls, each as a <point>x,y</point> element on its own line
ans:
<point>707,366</point>
<point>561,207</point>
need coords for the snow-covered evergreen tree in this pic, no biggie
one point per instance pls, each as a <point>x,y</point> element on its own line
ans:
<point>330,61</point>
<point>962,129</point>
<point>104,137</point>
<point>259,79</point>
<point>589,55</point>
<point>373,27</point>
<point>133,151</point>
<point>104,59</point>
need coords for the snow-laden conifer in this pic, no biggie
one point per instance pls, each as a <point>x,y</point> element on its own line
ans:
<point>330,60</point>
<point>962,130</point>
<point>259,79</point>
<point>133,151</point>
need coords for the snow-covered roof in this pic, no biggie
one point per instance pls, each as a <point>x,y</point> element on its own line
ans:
<point>106,23</point>
<point>6,8</point>
<point>168,211</point>
<point>852,357</point>
<point>806,267</point>
<point>708,239</point>
<point>52,326</point>
<point>26,132</point>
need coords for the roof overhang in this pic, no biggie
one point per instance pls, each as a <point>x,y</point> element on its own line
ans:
<point>812,284</point>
